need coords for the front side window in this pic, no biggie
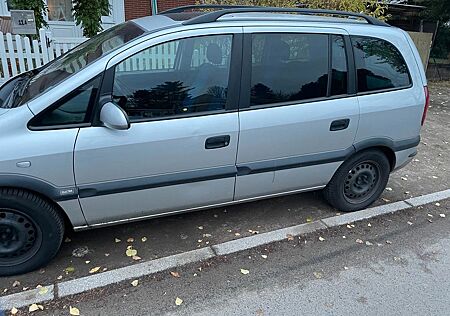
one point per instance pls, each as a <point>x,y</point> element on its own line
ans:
<point>379,65</point>
<point>180,77</point>
<point>288,67</point>
<point>75,108</point>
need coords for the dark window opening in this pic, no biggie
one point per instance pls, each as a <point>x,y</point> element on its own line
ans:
<point>379,65</point>
<point>288,67</point>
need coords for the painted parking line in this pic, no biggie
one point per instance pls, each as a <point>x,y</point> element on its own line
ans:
<point>80,285</point>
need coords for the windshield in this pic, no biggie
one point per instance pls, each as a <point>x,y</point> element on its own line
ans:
<point>75,60</point>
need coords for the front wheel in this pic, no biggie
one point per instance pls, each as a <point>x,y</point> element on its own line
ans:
<point>359,181</point>
<point>31,231</point>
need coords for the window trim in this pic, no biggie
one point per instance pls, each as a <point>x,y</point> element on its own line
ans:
<point>411,82</point>
<point>89,111</point>
<point>247,69</point>
<point>234,82</point>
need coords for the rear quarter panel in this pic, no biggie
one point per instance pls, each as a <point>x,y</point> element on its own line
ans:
<point>394,115</point>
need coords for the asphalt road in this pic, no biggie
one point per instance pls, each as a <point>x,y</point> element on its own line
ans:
<point>397,264</point>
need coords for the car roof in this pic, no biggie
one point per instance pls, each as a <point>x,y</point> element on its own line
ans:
<point>185,16</point>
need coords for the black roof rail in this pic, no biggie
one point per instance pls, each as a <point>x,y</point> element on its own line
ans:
<point>222,10</point>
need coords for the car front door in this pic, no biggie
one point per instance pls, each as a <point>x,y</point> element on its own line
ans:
<point>298,117</point>
<point>180,151</point>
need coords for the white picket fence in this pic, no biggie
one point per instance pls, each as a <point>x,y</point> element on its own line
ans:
<point>19,54</point>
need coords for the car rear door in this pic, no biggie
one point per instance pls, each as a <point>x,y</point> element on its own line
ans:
<point>298,115</point>
<point>180,152</point>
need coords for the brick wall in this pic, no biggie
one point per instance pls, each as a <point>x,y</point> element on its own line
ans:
<point>139,8</point>
<point>168,4</point>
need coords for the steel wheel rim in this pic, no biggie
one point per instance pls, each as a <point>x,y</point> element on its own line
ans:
<point>20,237</point>
<point>362,182</point>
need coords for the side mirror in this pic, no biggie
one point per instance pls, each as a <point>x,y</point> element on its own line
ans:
<point>114,117</point>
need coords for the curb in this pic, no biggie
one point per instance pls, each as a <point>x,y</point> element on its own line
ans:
<point>80,285</point>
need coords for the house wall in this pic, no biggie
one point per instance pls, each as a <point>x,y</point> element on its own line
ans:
<point>139,8</point>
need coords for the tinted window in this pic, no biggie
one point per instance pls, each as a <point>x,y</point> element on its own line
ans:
<point>339,66</point>
<point>379,65</point>
<point>73,109</point>
<point>288,67</point>
<point>180,77</point>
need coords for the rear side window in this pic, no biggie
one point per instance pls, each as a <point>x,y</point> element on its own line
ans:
<point>339,71</point>
<point>288,67</point>
<point>379,65</point>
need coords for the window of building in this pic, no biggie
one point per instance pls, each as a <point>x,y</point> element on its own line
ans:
<point>379,65</point>
<point>175,78</point>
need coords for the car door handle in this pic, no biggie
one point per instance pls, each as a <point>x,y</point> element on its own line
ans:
<point>339,125</point>
<point>217,142</point>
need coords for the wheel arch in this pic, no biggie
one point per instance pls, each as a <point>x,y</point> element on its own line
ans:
<point>41,188</point>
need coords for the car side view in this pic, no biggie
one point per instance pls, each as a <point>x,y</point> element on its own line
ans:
<point>193,109</point>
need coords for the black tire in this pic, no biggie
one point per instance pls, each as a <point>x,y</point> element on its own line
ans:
<point>31,231</point>
<point>359,181</point>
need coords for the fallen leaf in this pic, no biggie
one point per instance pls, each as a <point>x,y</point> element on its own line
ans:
<point>15,284</point>
<point>130,240</point>
<point>386,200</point>
<point>131,252</point>
<point>318,275</point>
<point>359,241</point>
<point>321,238</point>
<point>136,258</point>
<point>430,215</point>
<point>35,307</point>
<point>13,311</point>
<point>43,290</point>
<point>59,277</point>
<point>264,256</point>
<point>434,177</point>
<point>442,215</point>
<point>67,240</point>
<point>409,223</point>
<point>290,237</point>
<point>369,225</point>
<point>244,271</point>
<point>368,243</point>
<point>388,242</point>
<point>69,270</point>
<point>437,204</point>
<point>207,235</point>
<point>349,226</point>
<point>117,240</point>
<point>388,189</point>
<point>87,261</point>
<point>178,301</point>
<point>135,283</point>
<point>309,219</point>
<point>175,274</point>
<point>404,178</point>
<point>237,234</point>
<point>345,268</point>
<point>344,237</point>
<point>200,227</point>
<point>94,270</point>
<point>144,239</point>
<point>74,311</point>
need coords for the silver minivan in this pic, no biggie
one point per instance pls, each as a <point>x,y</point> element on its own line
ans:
<point>195,109</point>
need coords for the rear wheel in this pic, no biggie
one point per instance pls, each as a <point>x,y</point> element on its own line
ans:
<point>31,231</point>
<point>359,181</point>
